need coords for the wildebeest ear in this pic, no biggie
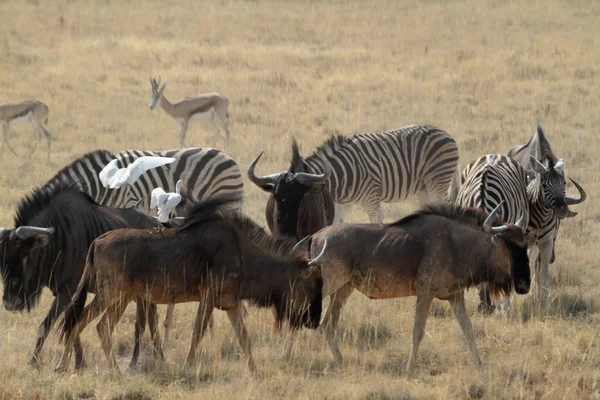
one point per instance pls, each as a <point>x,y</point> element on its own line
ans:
<point>40,240</point>
<point>317,187</point>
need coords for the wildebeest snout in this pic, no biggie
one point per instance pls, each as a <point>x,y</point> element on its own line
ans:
<point>522,287</point>
<point>14,304</point>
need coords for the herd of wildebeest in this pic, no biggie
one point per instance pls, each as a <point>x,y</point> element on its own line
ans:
<point>78,234</point>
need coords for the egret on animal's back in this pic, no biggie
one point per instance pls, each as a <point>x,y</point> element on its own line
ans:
<point>113,177</point>
<point>166,202</point>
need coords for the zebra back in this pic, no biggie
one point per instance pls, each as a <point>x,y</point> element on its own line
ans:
<point>388,166</point>
<point>206,172</point>
<point>492,178</point>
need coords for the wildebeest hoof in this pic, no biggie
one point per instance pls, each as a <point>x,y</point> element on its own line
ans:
<point>34,362</point>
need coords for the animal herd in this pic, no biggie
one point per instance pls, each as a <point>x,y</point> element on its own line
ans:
<point>91,229</point>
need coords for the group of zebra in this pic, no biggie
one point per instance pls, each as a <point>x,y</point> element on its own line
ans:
<point>370,169</point>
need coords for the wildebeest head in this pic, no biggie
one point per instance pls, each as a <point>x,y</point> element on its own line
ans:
<point>21,289</point>
<point>513,238</point>
<point>552,182</point>
<point>288,190</point>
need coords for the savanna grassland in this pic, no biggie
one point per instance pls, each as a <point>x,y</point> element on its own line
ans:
<point>485,71</point>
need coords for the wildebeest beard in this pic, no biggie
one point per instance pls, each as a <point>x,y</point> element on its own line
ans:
<point>520,270</point>
<point>19,293</point>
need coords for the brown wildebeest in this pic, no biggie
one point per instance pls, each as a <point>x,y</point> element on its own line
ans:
<point>218,258</point>
<point>299,204</point>
<point>437,252</point>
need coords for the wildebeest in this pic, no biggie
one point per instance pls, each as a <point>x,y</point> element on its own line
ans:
<point>299,204</point>
<point>218,258</point>
<point>437,252</point>
<point>54,228</point>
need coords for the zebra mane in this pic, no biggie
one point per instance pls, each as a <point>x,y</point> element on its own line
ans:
<point>470,216</point>
<point>331,145</point>
<point>40,198</point>
<point>104,154</point>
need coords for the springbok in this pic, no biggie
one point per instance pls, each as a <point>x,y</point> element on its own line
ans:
<point>437,252</point>
<point>210,107</point>
<point>31,111</point>
<point>217,258</point>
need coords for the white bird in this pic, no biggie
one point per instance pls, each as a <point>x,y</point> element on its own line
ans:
<point>113,177</point>
<point>169,201</point>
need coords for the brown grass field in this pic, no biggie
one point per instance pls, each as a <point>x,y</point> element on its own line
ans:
<point>485,71</point>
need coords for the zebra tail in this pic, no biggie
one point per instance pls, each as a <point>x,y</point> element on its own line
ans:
<point>75,309</point>
<point>454,185</point>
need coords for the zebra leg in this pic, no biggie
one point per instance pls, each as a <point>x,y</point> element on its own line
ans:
<point>543,275</point>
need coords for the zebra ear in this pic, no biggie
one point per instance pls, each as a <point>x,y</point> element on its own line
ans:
<point>537,166</point>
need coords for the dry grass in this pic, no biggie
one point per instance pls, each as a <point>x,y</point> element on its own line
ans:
<point>483,70</point>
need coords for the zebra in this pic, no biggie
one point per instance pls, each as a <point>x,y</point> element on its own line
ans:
<point>495,179</point>
<point>206,172</point>
<point>372,168</point>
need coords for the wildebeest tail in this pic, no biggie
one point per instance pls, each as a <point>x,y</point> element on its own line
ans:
<point>75,309</point>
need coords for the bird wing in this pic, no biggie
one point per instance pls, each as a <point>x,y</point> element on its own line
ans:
<point>157,197</point>
<point>143,164</point>
<point>118,178</point>
<point>108,172</point>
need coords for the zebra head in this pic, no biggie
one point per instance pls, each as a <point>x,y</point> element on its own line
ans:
<point>552,183</point>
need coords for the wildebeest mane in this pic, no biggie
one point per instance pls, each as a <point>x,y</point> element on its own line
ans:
<point>33,204</point>
<point>217,209</point>
<point>469,216</point>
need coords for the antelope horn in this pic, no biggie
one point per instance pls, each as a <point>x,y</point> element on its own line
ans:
<point>582,196</point>
<point>261,180</point>
<point>487,224</point>
<point>311,179</point>
<point>300,243</point>
<point>523,221</point>
<point>26,232</point>
<point>318,259</point>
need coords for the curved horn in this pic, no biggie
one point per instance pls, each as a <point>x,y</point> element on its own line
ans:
<point>300,243</point>
<point>311,179</point>
<point>487,224</point>
<point>177,221</point>
<point>260,180</point>
<point>26,232</point>
<point>582,196</point>
<point>522,222</point>
<point>320,257</point>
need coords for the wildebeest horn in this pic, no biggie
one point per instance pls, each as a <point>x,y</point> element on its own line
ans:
<point>522,222</point>
<point>26,232</point>
<point>300,243</point>
<point>320,257</point>
<point>310,179</point>
<point>260,180</point>
<point>571,201</point>
<point>177,221</point>
<point>487,224</point>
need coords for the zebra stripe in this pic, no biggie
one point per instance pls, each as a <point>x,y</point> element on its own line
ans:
<point>391,166</point>
<point>207,173</point>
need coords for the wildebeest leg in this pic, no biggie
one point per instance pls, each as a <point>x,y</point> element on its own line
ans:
<point>485,300</point>
<point>90,312</point>
<point>58,306</point>
<point>106,327</point>
<point>79,362</point>
<point>237,321</point>
<point>457,302</point>
<point>154,333</point>
<point>205,309</point>
<point>140,327</point>
<point>167,323</point>
<point>422,308</point>
<point>332,316</point>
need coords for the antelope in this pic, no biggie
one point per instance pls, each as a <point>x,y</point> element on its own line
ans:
<point>207,106</point>
<point>32,111</point>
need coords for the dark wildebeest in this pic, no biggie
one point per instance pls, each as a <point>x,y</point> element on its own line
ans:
<point>299,204</point>
<point>218,258</point>
<point>437,252</point>
<point>54,228</point>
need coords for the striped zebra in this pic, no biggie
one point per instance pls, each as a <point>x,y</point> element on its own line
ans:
<point>206,172</point>
<point>493,178</point>
<point>372,168</point>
